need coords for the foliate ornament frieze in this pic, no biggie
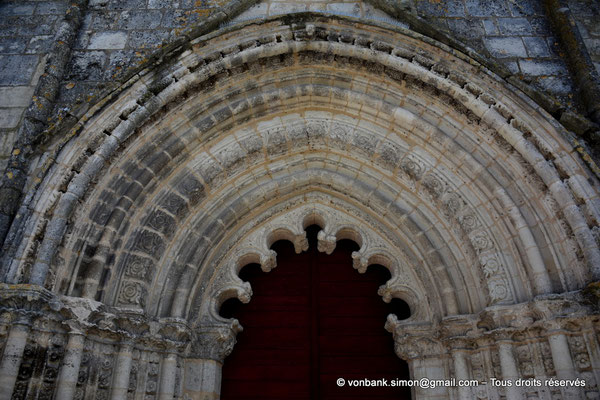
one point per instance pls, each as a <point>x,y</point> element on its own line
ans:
<point>413,167</point>
<point>214,342</point>
<point>498,286</point>
<point>456,208</point>
<point>579,352</point>
<point>481,242</point>
<point>434,184</point>
<point>149,243</point>
<point>468,221</point>
<point>490,267</point>
<point>499,291</point>
<point>453,203</point>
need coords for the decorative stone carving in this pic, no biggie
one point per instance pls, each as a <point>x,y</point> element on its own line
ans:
<point>268,261</point>
<point>434,184</point>
<point>133,293</point>
<point>359,262</point>
<point>253,248</point>
<point>326,243</point>
<point>413,167</point>
<point>414,340</point>
<point>214,342</point>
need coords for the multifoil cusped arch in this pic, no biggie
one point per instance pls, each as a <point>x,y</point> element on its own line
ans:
<point>474,185</point>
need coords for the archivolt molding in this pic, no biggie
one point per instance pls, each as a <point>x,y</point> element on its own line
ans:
<point>446,118</point>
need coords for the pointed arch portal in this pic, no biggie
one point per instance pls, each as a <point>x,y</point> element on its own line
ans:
<point>138,222</point>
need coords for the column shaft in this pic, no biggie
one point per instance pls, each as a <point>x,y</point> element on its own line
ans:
<point>202,379</point>
<point>563,363</point>
<point>461,372</point>
<point>121,373</point>
<point>168,371</point>
<point>69,371</point>
<point>510,372</point>
<point>13,355</point>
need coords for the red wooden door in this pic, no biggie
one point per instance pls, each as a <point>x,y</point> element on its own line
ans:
<point>312,320</point>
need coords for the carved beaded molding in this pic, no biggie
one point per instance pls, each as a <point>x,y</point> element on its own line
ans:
<point>154,179</point>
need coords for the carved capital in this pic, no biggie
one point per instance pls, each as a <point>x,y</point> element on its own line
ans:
<point>175,330</point>
<point>214,342</point>
<point>132,325</point>
<point>29,300</point>
<point>76,327</point>
<point>412,340</point>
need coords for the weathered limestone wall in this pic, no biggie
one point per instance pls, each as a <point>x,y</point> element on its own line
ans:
<point>27,30</point>
<point>587,16</point>
<point>515,33</point>
<point>113,38</point>
<point>116,35</point>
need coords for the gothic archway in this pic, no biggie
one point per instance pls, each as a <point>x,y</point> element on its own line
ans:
<point>439,170</point>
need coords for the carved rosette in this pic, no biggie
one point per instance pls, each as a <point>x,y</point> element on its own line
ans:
<point>133,293</point>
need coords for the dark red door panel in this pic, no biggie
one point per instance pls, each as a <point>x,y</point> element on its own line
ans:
<point>312,320</point>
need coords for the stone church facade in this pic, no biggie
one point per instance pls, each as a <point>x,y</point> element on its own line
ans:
<point>153,148</point>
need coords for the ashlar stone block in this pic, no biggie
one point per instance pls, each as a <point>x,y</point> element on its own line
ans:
<point>108,41</point>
